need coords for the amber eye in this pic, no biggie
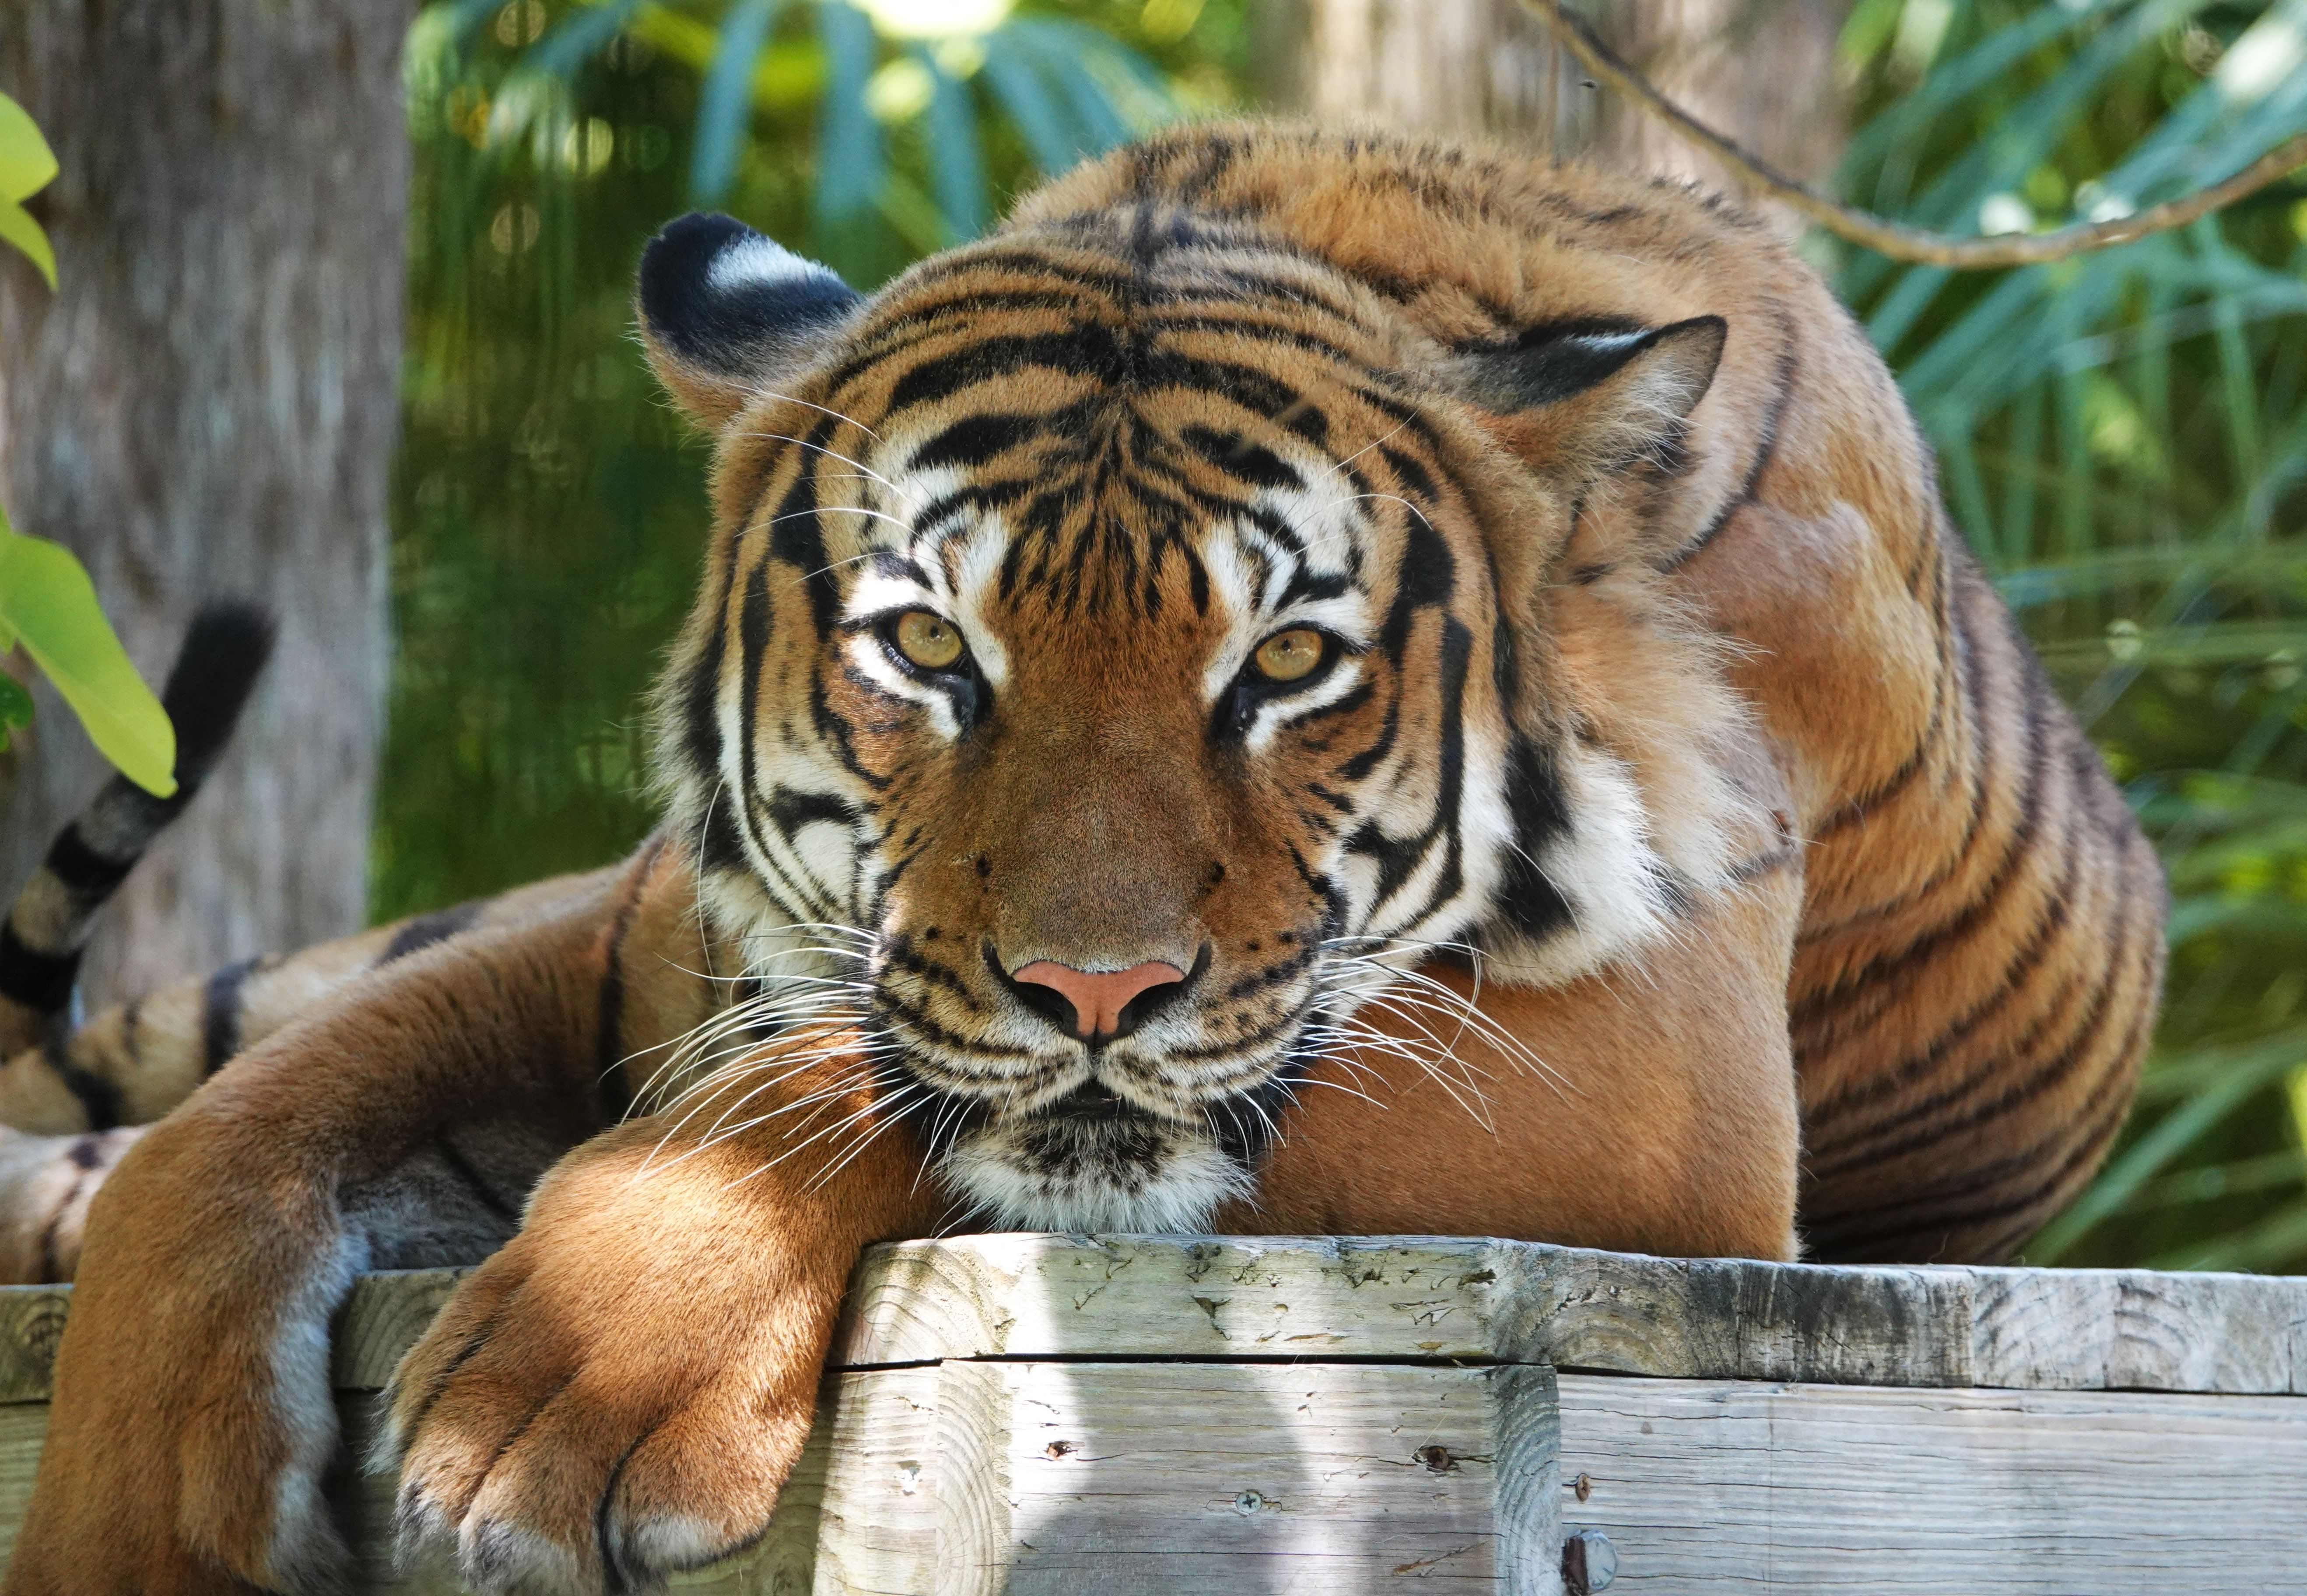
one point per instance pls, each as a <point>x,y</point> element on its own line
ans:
<point>1289,656</point>
<point>930,641</point>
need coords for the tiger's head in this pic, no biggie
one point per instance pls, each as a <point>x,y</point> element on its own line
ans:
<point>1129,644</point>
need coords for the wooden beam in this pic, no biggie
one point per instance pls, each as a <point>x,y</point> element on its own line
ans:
<point>1413,1298</point>
<point>1689,1318</point>
<point>1167,1416</point>
<point>1707,1486</point>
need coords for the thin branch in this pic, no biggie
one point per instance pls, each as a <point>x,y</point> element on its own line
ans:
<point>1894,239</point>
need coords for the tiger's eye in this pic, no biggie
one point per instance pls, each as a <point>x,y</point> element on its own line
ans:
<point>1289,656</point>
<point>930,641</point>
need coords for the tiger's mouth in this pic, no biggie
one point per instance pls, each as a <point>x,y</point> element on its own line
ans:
<point>1093,1161</point>
<point>1037,1120</point>
<point>1094,1156</point>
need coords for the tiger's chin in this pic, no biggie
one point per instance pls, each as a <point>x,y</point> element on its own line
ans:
<point>1124,1171</point>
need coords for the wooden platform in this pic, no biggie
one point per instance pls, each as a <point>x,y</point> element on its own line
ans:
<point>1066,1414</point>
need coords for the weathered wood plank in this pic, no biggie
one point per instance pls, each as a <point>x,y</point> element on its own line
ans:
<point>31,1324</point>
<point>1308,1479</point>
<point>1058,1296</point>
<point>1013,1479</point>
<point>1730,1319</point>
<point>866,1527</point>
<point>23,1426</point>
<point>2138,1329</point>
<point>1411,1297</point>
<point>1711,1485</point>
<point>383,1318</point>
<point>1415,1296</point>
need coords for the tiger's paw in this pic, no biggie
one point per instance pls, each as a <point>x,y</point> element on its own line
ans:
<point>617,1395</point>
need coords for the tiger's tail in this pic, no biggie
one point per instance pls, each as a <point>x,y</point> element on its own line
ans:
<point>48,926</point>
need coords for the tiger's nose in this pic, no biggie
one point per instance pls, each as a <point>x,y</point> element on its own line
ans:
<point>1102,1004</point>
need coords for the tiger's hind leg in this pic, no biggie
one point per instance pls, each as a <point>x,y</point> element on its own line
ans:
<point>47,1183</point>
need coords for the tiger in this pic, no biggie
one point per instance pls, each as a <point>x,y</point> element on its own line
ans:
<point>1310,680</point>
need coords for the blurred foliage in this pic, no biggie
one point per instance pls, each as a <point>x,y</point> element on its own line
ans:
<point>2124,438</point>
<point>548,506</point>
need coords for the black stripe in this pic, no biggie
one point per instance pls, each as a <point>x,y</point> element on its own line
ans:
<point>2017,974</point>
<point>2008,871</point>
<point>1984,772</point>
<point>84,1156</point>
<point>221,1006</point>
<point>2115,980</point>
<point>1846,1242</point>
<point>99,1099</point>
<point>1539,811</point>
<point>88,875</point>
<point>1766,449</point>
<point>37,980</point>
<point>425,929</point>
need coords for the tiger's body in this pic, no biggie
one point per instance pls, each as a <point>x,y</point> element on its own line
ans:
<point>1287,612</point>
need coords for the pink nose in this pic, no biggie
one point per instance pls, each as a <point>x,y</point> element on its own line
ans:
<point>1098,998</point>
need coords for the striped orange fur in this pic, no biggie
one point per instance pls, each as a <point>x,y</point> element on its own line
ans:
<point>1310,681</point>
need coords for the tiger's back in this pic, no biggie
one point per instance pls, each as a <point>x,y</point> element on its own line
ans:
<point>1980,954</point>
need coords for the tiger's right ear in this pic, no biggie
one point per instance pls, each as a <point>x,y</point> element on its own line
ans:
<point>726,312</point>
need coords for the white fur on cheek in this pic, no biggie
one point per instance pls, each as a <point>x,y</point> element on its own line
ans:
<point>1606,870</point>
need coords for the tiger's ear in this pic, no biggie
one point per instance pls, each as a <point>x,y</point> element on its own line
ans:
<point>1588,400</point>
<point>726,312</point>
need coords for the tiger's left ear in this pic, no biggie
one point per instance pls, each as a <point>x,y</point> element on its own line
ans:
<point>1588,400</point>
<point>725,314</point>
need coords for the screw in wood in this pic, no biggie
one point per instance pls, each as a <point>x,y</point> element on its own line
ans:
<point>1590,1562</point>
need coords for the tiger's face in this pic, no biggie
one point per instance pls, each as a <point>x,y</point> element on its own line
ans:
<point>1124,649</point>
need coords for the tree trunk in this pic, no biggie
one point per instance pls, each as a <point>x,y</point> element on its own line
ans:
<point>206,405</point>
<point>1760,70</point>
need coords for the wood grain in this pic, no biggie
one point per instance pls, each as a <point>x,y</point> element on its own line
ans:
<point>1704,1319</point>
<point>1419,1297</point>
<point>1308,1479</point>
<point>1147,1415</point>
<point>1707,1486</point>
<point>1016,1479</point>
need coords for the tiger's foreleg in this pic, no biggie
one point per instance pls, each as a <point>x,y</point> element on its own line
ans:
<point>193,1423</point>
<point>620,1393</point>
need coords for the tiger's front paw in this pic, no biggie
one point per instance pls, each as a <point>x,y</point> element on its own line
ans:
<point>620,1394</point>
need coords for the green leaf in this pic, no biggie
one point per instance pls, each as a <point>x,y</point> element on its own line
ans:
<point>26,164</point>
<point>849,160</point>
<point>18,228</point>
<point>1011,69</point>
<point>47,599</point>
<point>956,159</point>
<point>15,707</point>
<point>725,108</point>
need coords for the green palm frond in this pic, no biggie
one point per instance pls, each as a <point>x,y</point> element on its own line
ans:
<point>899,164</point>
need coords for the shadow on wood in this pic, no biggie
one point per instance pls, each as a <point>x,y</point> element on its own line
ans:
<point>1052,1414</point>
